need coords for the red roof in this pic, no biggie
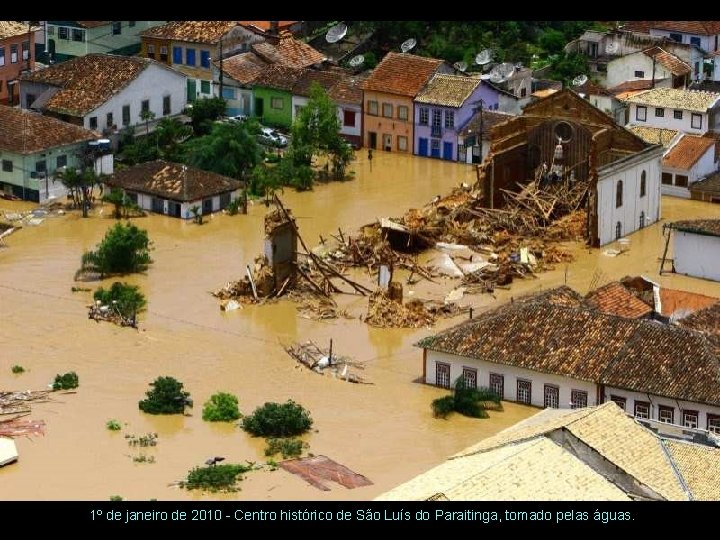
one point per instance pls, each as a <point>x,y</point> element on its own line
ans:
<point>669,61</point>
<point>266,25</point>
<point>615,299</point>
<point>687,152</point>
<point>703,28</point>
<point>402,74</point>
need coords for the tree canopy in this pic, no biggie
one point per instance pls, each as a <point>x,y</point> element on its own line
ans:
<point>229,149</point>
<point>124,249</point>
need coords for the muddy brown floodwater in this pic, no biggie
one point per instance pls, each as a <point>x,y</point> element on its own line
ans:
<point>384,431</point>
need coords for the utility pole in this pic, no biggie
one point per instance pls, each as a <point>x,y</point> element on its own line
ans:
<point>220,52</point>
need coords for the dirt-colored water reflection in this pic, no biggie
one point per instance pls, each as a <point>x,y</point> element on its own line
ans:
<point>384,431</point>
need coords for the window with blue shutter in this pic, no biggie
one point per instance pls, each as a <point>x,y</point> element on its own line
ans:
<point>205,59</point>
<point>190,57</point>
<point>177,55</point>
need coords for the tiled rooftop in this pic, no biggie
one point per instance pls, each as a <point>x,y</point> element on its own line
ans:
<point>243,67</point>
<point>654,135</point>
<point>711,184</point>
<point>10,29</point>
<point>703,28</point>
<point>172,181</point>
<point>490,119</point>
<point>348,90</point>
<point>699,466</point>
<point>709,227</point>
<point>448,90</point>
<point>326,79</point>
<point>25,132</point>
<point>86,82</point>
<point>669,61</point>
<point>288,51</point>
<point>675,300</point>
<point>266,25</point>
<point>208,32</point>
<point>279,77</point>
<point>706,319</point>
<point>676,98</point>
<point>688,150</point>
<point>615,299</point>
<point>401,74</point>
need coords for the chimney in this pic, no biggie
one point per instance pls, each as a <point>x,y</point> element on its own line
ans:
<point>274,26</point>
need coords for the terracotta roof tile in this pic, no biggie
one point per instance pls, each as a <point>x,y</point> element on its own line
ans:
<point>208,32</point>
<point>709,227</point>
<point>243,67</point>
<point>166,179</point>
<point>288,51</point>
<point>704,320</point>
<point>25,132</point>
<point>447,90</point>
<point>699,466</point>
<point>676,301</point>
<point>676,98</point>
<point>703,28</point>
<point>668,60</point>
<point>326,79</point>
<point>615,299</point>
<point>279,77</point>
<point>632,86</point>
<point>654,135</point>
<point>490,119</point>
<point>544,92</point>
<point>592,89</point>
<point>87,82</point>
<point>10,29</point>
<point>711,184</point>
<point>348,89</point>
<point>402,74</point>
<point>687,151</point>
<point>265,25</point>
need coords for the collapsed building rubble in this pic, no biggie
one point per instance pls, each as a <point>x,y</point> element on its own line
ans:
<point>324,362</point>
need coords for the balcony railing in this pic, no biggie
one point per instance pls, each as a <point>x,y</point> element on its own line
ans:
<point>436,131</point>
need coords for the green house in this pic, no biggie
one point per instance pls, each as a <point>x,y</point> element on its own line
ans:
<point>272,92</point>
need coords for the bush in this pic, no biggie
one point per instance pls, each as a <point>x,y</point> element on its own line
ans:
<point>278,420</point>
<point>216,477</point>
<point>129,300</point>
<point>123,250</point>
<point>286,447</point>
<point>234,207</point>
<point>166,397</point>
<point>116,498</point>
<point>468,401</point>
<point>113,425</point>
<point>221,407</point>
<point>17,369</point>
<point>68,381</point>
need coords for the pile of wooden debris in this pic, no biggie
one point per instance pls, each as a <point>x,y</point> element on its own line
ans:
<point>384,312</point>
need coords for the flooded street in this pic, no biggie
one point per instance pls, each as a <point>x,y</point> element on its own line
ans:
<point>384,431</point>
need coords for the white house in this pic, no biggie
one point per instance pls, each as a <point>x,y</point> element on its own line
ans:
<point>348,95</point>
<point>696,248</point>
<point>552,350</point>
<point>689,160</point>
<point>301,87</point>
<point>174,189</point>
<point>105,92</point>
<point>689,111</point>
<point>651,64</point>
<point>628,194</point>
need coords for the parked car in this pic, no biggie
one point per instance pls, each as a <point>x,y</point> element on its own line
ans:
<point>270,137</point>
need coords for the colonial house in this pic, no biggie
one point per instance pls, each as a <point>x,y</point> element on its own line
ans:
<point>32,148</point>
<point>442,109</point>
<point>689,160</point>
<point>696,248</point>
<point>475,138</point>
<point>622,170</point>
<point>552,350</point>
<point>389,113</point>
<point>104,91</point>
<point>702,34</point>
<point>589,454</point>
<point>16,55</point>
<point>706,190</point>
<point>191,46</point>
<point>301,89</point>
<point>273,94</point>
<point>652,135</point>
<point>174,189</point>
<point>233,76</point>
<point>652,64</point>
<point>70,39</point>
<point>603,99</point>
<point>689,111</point>
<point>348,96</point>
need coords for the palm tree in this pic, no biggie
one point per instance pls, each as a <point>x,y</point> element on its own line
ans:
<point>169,133</point>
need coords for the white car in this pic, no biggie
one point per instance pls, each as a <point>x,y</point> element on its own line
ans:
<point>271,137</point>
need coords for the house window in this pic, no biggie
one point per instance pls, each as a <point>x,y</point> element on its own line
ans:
<point>402,112</point>
<point>205,87</point>
<point>228,92</point>
<point>639,74</point>
<point>642,219</point>
<point>619,401</point>
<point>470,377</point>
<point>442,374</point>
<point>690,419</point>
<point>667,178</point>
<point>641,113</point>
<point>695,41</point>
<point>116,28</point>
<point>578,399</point>
<point>678,115</point>
<point>387,110</point>
<point>276,103</point>
<point>523,92</point>
<point>713,423</point>
<point>618,230</point>
<point>25,50</point>
<point>163,53</point>
<point>497,384</point>
<point>348,118</point>
<point>205,59</point>
<point>666,414</point>
<point>373,108</point>
<point>109,120</point>
<point>29,100</point>
<point>676,37</point>
<point>190,57</point>
<point>619,194</point>
<point>450,119</point>
<point>13,54</point>
<point>93,122</point>
<point>151,51</point>
<point>41,166</point>
<point>61,161</point>
<point>552,397</point>
<point>642,409</point>
<point>524,391</point>
<point>424,116</point>
<point>402,142</point>
<point>50,30</point>
<point>434,147</point>
<point>126,115</point>
<point>224,200</point>
<point>177,55</point>
<point>2,56</point>
<point>131,23</point>
<point>7,165</point>
<point>78,35</point>
<point>166,105</point>
<point>659,112</point>
<point>696,121</point>
<point>643,183</point>
<point>681,180</point>
<point>62,32</point>
<point>144,106</point>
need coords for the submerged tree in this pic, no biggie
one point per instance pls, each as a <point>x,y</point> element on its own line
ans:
<point>204,112</point>
<point>466,400</point>
<point>166,397</point>
<point>126,299</point>
<point>124,249</point>
<point>230,149</point>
